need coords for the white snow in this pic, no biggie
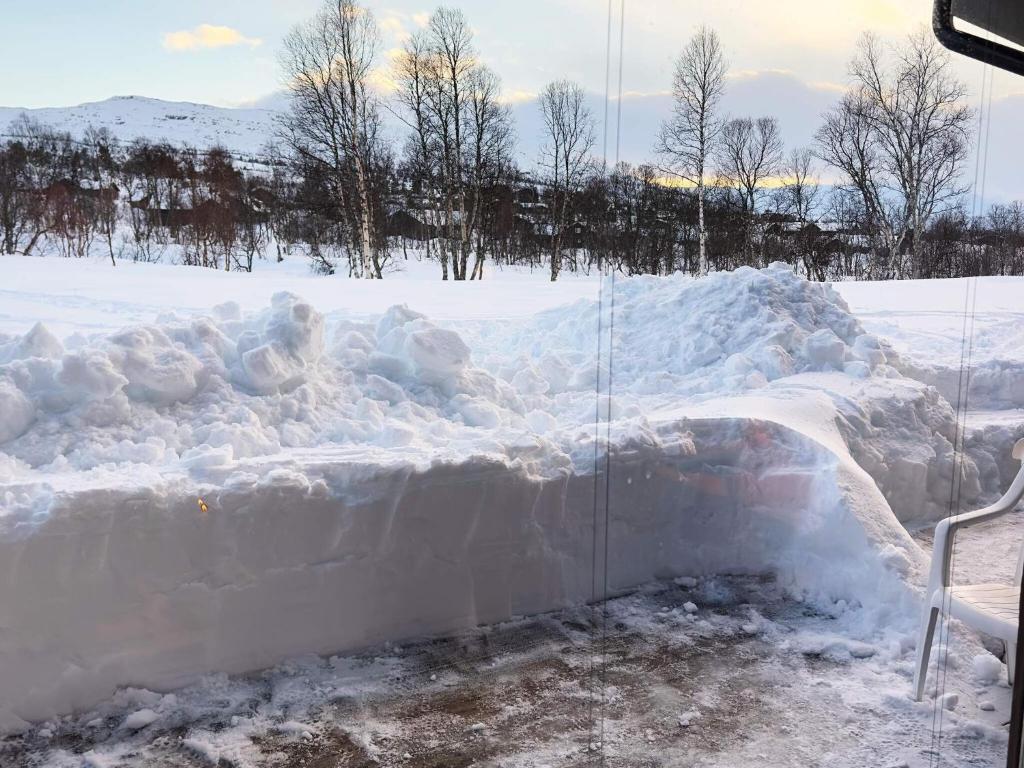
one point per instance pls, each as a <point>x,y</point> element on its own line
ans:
<point>987,668</point>
<point>140,719</point>
<point>389,459</point>
<point>239,130</point>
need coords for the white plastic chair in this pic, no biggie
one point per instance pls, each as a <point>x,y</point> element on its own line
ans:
<point>989,608</point>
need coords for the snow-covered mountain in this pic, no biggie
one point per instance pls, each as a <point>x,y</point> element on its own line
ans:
<point>240,130</point>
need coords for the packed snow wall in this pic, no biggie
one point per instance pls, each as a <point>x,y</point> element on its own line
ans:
<point>137,584</point>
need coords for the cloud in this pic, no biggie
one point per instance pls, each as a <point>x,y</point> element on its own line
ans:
<point>741,75</point>
<point>207,36</point>
<point>393,26</point>
<point>517,96</point>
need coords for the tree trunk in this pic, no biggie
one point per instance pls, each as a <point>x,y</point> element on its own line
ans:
<point>703,266</point>
<point>365,223</point>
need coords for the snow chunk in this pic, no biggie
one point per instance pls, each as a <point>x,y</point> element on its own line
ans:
<point>986,668</point>
<point>16,412</point>
<point>687,718</point>
<point>291,343</point>
<point>823,348</point>
<point>140,719</point>
<point>90,375</point>
<point>158,370</point>
<point>434,355</point>
<point>38,342</point>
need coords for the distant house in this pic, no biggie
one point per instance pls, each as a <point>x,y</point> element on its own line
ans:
<point>410,225</point>
<point>526,196</point>
<point>68,189</point>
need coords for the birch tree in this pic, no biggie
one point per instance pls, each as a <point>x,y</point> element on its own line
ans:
<point>460,132</point>
<point>689,136</point>
<point>490,151</point>
<point>900,138</point>
<point>799,198</point>
<point>568,141</point>
<point>750,153</point>
<point>334,115</point>
<point>448,65</point>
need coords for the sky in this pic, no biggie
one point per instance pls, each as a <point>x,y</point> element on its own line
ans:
<point>786,57</point>
<point>224,52</point>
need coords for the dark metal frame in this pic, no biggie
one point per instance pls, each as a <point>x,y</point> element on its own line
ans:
<point>979,48</point>
<point>1013,754</point>
<point>1012,60</point>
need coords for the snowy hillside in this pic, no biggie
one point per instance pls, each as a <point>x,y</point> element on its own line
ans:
<point>242,131</point>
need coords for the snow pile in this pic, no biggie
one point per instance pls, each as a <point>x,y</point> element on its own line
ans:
<point>742,332</point>
<point>221,492</point>
<point>130,580</point>
<point>212,390</point>
<point>732,331</point>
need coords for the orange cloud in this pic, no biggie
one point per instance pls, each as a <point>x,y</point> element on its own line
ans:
<point>207,36</point>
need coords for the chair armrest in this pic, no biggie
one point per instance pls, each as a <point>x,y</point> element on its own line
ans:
<point>945,529</point>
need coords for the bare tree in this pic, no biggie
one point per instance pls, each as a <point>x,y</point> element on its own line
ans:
<point>412,73</point>
<point>798,198</point>
<point>334,115</point>
<point>16,198</point>
<point>490,145</point>
<point>29,167</point>
<point>751,152</point>
<point>569,139</point>
<point>801,190</point>
<point>450,101</point>
<point>900,137</point>
<point>451,62</point>
<point>688,137</point>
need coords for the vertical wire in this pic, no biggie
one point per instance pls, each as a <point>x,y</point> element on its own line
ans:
<point>940,680</point>
<point>958,464</point>
<point>597,402</point>
<point>960,422</point>
<point>608,422</point>
<point>607,86</point>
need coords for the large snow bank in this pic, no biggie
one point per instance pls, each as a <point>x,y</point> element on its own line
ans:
<point>232,385</point>
<point>212,390</point>
<point>740,332</point>
<point>129,581</point>
<point>372,478</point>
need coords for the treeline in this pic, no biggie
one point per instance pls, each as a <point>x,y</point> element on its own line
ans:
<point>718,192</point>
<point>140,201</point>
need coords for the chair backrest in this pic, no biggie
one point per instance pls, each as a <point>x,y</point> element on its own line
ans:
<point>1018,453</point>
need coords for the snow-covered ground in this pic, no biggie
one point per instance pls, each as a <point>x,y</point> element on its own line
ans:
<point>208,472</point>
<point>722,672</point>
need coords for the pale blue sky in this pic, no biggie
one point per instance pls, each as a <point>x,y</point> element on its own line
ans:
<point>787,57</point>
<point>61,52</point>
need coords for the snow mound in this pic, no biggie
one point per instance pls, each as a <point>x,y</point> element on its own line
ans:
<point>732,331</point>
<point>224,388</point>
<point>209,391</point>
<point>133,582</point>
<point>187,495</point>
